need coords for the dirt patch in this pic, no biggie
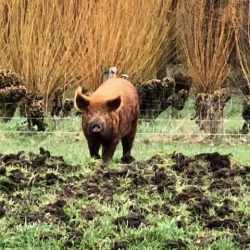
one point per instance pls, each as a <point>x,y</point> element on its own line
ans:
<point>120,245</point>
<point>133,220</point>
<point>163,180</point>
<point>32,170</point>
<point>90,213</point>
<point>17,176</point>
<point>2,209</point>
<point>216,161</point>
<point>243,240</point>
<point>217,222</point>
<point>56,210</point>
<point>197,201</point>
<point>165,209</point>
<point>42,161</point>
<point>162,187</point>
<point>51,178</point>
<point>74,239</point>
<point>7,185</point>
<point>226,209</point>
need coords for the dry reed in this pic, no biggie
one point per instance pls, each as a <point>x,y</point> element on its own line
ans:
<point>68,43</point>
<point>206,42</point>
<point>32,43</point>
<point>241,22</point>
<point>130,35</point>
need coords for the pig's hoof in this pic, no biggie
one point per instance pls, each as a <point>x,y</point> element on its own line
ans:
<point>127,159</point>
<point>97,157</point>
<point>104,164</point>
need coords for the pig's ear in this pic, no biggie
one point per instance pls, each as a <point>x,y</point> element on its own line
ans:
<point>114,104</point>
<point>81,100</point>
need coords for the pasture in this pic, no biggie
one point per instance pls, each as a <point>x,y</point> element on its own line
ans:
<point>189,186</point>
<point>182,192</point>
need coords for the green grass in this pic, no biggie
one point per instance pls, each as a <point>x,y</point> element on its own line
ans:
<point>179,230</point>
<point>161,231</point>
<point>165,134</point>
<point>77,151</point>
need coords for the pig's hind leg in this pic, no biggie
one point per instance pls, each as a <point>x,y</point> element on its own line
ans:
<point>127,144</point>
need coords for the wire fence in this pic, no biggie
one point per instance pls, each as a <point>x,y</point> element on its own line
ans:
<point>165,124</point>
<point>160,126</point>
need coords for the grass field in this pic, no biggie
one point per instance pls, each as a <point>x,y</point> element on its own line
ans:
<point>164,135</point>
<point>162,201</point>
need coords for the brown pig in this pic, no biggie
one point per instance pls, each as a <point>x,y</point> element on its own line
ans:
<point>109,114</point>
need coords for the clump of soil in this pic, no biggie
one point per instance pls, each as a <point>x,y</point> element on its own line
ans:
<point>17,176</point>
<point>225,209</point>
<point>120,245</point>
<point>217,222</point>
<point>90,213</point>
<point>56,210</point>
<point>37,162</point>
<point>132,220</point>
<point>163,181</point>
<point>209,110</point>
<point>198,202</point>
<point>12,90</point>
<point>74,239</point>
<point>31,169</point>
<point>2,208</point>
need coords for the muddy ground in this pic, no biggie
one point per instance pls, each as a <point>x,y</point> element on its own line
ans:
<point>41,188</point>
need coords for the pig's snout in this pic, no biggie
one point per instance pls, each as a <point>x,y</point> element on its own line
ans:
<point>95,127</point>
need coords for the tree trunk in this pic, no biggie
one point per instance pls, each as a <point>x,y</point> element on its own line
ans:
<point>35,111</point>
<point>209,110</point>
<point>7,111</point>
<point>246,115</point>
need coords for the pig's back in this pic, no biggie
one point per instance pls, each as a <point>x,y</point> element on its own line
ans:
<point>113,87</point>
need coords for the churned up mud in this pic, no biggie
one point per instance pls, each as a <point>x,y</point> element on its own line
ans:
<point>42,188</point>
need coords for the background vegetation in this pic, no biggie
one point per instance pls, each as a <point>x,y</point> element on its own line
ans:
<point>68,43</point>
<point>206,41</point>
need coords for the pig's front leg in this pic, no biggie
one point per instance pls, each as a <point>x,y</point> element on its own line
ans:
<point>94,149</point>
<point>108,150</point>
